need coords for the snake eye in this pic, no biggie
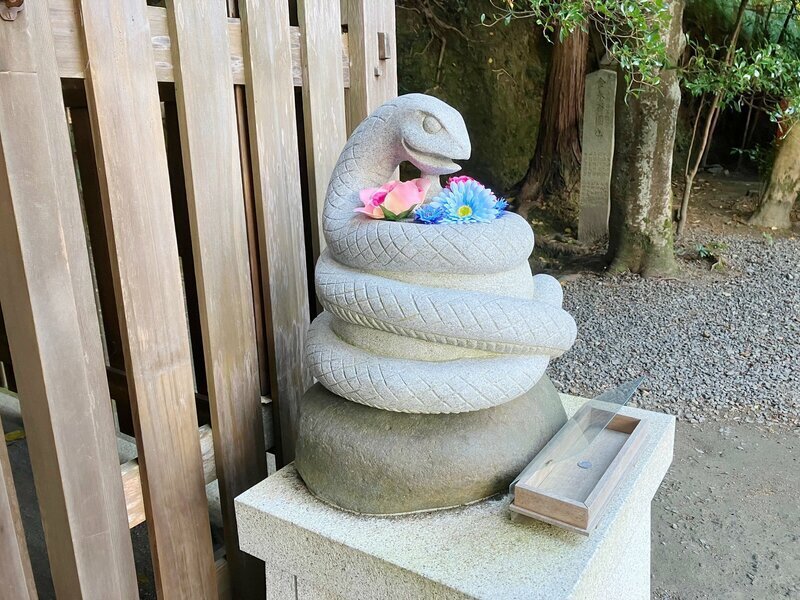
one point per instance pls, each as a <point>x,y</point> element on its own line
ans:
<point>431,124</point>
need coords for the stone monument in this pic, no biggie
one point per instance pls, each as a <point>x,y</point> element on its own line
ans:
<point>597,151</point>
<point>431,351</point>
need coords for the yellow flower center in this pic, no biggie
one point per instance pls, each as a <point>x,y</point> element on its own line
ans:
<point>464,211</point>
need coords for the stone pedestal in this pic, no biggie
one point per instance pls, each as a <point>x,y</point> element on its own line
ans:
<point>313,550</point>
<point>373,461</point>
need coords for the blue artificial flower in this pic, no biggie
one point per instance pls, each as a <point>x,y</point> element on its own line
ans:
<point>467,202</point>
<point>428,214</point>
<point>501,205</point>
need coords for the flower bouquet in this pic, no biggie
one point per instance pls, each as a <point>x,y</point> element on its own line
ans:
<point>463,200</point>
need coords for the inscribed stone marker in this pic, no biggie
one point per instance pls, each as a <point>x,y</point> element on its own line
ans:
<point>598,154</point>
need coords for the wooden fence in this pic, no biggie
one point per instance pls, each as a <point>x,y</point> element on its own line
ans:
<point>189,149</point>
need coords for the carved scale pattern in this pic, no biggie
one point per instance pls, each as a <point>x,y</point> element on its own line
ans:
<point>522,334</point>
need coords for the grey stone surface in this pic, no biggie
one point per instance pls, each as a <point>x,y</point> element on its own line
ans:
<point>378,462</point>
<point>597,153</point>
<point>477,551</point>
<point>404,301</point>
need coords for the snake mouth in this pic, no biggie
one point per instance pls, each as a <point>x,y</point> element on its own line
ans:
<point>430,163</point>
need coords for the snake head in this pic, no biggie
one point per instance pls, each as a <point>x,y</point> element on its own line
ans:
<point>432,134</point>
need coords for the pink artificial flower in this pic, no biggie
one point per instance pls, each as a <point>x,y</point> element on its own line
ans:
<point>464,179</point>
<point>372,199</point>
<point>397,198</point>
<point>461,179</point>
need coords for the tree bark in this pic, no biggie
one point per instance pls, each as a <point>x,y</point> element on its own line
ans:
<point>775,206</point>
<point>554,171</point>
<point>640,228</point>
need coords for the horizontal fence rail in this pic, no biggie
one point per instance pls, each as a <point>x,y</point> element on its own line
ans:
<point>72,61</point>
<point>162,180</point>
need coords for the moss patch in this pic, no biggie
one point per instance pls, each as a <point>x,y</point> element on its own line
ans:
<point>494,77</point>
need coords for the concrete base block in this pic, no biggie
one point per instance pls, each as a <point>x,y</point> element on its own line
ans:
<point>315,551</point>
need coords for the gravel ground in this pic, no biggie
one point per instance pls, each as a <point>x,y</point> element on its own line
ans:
<point>712,345</point>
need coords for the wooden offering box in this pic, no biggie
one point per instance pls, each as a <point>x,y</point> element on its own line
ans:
<point>570,481</point>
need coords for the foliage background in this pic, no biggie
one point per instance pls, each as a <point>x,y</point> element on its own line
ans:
<point>494,76</point>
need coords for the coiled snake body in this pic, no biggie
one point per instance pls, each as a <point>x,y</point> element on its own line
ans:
<point>420,318</point>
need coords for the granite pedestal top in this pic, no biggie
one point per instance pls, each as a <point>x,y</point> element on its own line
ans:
<point>476,551</point>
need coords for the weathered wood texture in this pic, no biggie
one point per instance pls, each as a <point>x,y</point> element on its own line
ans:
<point>131,157</point>
<point>15,566</point>
<point>323,103</point>
<point>132,477</point>
<point>224,194</point>
<point>273,133</point>
<point>56,345</point>
<point>210,144</point>
<point>373,80</point>
<point>79,499</point>
<point>71,55</point>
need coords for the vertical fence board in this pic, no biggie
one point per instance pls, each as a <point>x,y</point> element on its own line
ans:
<point>210,144</point>
<point>84,527</point>
<point>373,80</point>
<point>15,565</point>
<point>276,175</point>
<point>252,237</point>
<point>75,467</point>
<point>323,102</point>
<point>131,156</point>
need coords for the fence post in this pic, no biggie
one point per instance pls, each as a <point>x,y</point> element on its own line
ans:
<point>52,323</point>
<point>125,114</point>
<point>68,421</point>
<point>373,59</point>
<point>276,175</point>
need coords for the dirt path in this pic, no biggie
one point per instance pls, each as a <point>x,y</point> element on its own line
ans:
<point>726,521</point>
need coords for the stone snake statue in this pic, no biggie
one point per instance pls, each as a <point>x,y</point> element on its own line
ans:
<point>419,318</point>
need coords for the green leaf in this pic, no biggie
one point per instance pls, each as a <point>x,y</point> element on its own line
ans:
<point>390,216</point>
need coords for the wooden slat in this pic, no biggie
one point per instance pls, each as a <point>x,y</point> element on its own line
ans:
<point>224,586</point>
<point>15,565</point>
<point>372,81</point>
<point>71,56</point>
<point>132,477</point>
<point>42,321</point>
<point>276,176</point>
<point>323,102</point>
<point>129,146</point>
<point>245,159</point>
<point>246,162</point>
<point>57,345</point>
<point>131,474</point>
<point>210,145</point>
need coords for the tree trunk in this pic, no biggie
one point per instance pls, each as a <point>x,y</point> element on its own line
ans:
<point>640,228</point>
<point>784,184</point>
<point>555,169</point>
